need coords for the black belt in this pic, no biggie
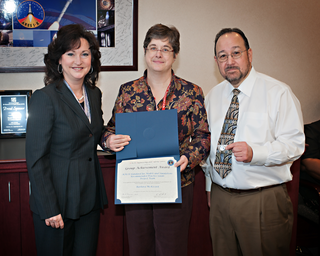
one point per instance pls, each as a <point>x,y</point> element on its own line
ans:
<point>233,190</point>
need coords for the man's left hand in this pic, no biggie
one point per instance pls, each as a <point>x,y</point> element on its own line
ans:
<point>241,151</point>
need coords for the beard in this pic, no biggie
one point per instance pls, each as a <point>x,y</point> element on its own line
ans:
<point>236,77</point>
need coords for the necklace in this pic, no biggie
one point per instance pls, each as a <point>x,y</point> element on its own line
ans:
<point>81,98</point>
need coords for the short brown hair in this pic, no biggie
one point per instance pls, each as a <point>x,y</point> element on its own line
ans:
<point>160,31</point>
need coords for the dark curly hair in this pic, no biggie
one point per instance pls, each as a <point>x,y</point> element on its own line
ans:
<point>160,31</point>
<point>68,38</point>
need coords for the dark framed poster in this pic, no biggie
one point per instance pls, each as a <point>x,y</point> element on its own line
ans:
<point>28,26</point>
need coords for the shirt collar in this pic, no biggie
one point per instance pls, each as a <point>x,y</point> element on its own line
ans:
<point>247,85</point>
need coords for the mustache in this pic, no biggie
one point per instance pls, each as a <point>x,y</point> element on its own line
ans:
<point>231,67</point>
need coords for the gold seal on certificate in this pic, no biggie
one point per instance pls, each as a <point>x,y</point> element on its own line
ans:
<point>148,180</point>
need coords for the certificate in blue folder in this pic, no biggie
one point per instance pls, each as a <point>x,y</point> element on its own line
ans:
<point>145,171</point>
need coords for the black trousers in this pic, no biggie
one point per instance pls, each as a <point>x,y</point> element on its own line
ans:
<point>77,238</point>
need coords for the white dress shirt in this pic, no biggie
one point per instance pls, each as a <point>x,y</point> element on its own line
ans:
<point>270,122</point>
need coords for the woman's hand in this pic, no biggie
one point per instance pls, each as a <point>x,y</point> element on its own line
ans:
<point>117,142</point>
<point>183,162</point>
<point>55,222</point>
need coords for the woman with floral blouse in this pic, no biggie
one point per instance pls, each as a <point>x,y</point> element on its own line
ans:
<point>162,229</point>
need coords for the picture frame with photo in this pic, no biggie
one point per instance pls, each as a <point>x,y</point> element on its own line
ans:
<point>114,22</point>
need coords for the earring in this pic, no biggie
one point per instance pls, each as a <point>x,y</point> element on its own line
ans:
<point>60,69</point>
<point>91,70</point>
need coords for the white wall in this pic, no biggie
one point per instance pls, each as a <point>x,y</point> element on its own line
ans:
<point>284,36</point>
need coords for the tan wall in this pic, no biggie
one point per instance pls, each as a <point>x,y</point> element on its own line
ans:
<point>284,36</point>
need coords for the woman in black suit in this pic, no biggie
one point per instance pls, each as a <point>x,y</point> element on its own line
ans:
<point>64,127</point>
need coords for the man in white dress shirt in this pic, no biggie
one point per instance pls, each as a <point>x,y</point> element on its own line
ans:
<point>250,210</point>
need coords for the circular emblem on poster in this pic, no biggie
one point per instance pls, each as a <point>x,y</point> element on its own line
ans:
<point>106,5</point>
<point>30,14</point>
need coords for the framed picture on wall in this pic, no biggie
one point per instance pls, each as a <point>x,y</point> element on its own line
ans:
<point>14,113</point>
<point>28,26</point>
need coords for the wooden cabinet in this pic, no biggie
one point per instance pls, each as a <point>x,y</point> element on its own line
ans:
<point>28,243</point>
<point>111,230</point>
<point>10,235</point>
<point>16,224</point>
<point>16,232</point>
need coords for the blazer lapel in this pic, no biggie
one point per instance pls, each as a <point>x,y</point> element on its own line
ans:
<point>67,97</point>
<point>93,104</point>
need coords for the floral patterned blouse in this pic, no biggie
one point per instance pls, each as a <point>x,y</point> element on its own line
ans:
<point>188,99</point>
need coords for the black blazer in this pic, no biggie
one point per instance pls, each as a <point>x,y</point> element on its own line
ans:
<point>61,154</point>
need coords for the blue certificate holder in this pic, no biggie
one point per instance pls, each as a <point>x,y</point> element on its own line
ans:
<point>154,144</point>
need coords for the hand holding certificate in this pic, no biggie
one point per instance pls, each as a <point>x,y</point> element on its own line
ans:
<point>145,171</point>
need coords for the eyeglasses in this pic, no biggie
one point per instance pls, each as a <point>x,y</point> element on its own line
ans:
<point>164,51</point>
<point>235,55</point>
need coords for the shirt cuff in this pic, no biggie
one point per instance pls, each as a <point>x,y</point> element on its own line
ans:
<point>260,155</point>
<point>208,184</point>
